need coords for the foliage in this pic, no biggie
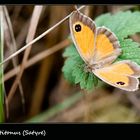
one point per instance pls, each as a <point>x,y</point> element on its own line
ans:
<point>123,24</point>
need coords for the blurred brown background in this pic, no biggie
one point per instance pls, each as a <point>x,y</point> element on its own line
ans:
<point>48,96</point>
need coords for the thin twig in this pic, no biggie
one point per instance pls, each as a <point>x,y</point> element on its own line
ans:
<point>30,36</point>
<point>46,66</point>
<point>13,48</point>
<point>14,86</point>
<point>38,38</point>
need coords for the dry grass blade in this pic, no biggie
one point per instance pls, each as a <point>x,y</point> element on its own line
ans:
<point>14,86</point>
<point>46,66</point>
<point>13,48</point>
<point>2,116</point>
<point>12,42</point>
<point>30,36</point>
<point>38,38</point>
<point>37,58</point>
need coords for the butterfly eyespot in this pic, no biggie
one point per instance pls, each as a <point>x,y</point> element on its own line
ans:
<point>120,83</point>
<point>78,27</point>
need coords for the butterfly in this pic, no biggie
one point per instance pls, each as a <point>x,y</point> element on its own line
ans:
<point>99,47</point>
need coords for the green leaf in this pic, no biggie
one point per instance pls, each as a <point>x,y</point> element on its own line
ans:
<point>123,24</point>
<point>74,69</point>
<point>102,19</point>
<point>71,52</point>
<point>92,80</point>
<point>68,68</point>
<point>129,43</point>
<point>77,72</point>
<point>130,51</point>
<point>84,77</point>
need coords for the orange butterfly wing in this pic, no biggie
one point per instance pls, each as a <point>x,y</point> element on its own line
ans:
<point>121,74</point>
<point>99,46</point>
<point>83,34</point>
<point>93,44</point>
<point>106,45</point>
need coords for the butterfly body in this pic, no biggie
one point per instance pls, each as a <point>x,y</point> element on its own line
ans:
<point>99,48</point>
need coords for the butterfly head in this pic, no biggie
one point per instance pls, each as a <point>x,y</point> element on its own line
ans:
<point>91,67</point>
